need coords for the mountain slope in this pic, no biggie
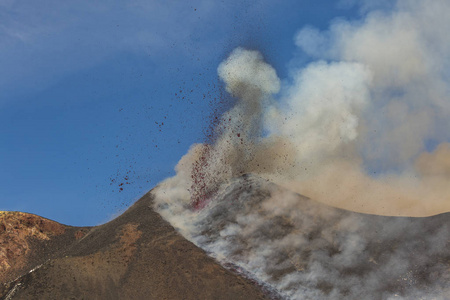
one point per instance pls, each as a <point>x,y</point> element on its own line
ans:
<point>136,256</point>
<point>27,240</point>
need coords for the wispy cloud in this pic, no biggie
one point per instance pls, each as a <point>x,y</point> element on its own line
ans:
<point>40,42</point>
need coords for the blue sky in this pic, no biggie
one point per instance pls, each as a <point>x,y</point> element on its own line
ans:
<point>94,94</point>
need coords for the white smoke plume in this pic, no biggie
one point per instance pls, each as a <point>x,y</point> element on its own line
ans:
<point>364,128</point>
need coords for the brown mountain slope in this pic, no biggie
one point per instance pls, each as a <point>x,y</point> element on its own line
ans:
<point>27,240</point>
<point>136,256</point>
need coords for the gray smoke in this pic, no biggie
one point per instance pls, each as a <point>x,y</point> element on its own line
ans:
<point>364,127</point>
<point>307,250</point>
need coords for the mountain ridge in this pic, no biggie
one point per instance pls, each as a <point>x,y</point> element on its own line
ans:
<point>135,256</point>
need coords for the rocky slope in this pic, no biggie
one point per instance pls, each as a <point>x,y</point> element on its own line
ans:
<point>27,240</point>
<point>136,256</point>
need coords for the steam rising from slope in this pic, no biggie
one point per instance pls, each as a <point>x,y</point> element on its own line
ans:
<point>364,127</point>
<point>305,250</point>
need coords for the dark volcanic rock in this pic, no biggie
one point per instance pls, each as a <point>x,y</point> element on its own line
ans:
<point>136,256</point>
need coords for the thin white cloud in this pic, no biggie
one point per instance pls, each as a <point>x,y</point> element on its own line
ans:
<point>43,41</point>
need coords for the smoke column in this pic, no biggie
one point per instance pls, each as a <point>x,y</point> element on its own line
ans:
<point>364,127</point>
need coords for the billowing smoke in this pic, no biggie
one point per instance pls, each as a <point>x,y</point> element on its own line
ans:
<point>364,128</point>
<point>376,105</point>
<point>251,80</point>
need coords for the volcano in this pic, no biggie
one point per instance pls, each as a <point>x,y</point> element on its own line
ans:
<point>252,240</point>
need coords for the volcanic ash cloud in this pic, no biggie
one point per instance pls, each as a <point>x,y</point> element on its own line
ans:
<point>363,127</point>
<point>392,96</point>
<point>355,128</point>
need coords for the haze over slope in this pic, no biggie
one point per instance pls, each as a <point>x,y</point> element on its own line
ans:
<point>307,250</point>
